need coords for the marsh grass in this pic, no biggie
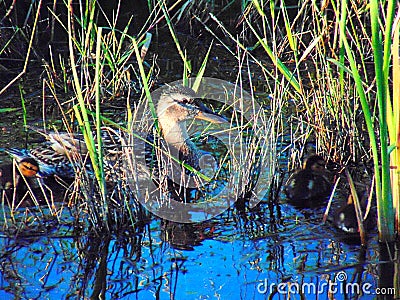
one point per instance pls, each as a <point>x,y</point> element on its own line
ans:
<point>381,48</point>
<point>28,51</point>
<point>336,84</point>
<point>317,64</point>
<point>111,73</point>
<point>98,69</point>
<point>90,121</point>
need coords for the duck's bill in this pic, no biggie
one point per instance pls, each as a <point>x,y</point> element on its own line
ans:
<point>210,117</point>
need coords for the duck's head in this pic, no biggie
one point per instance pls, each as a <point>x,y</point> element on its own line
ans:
<point>176,106</point>
<point>315,163</point>
<point>179,104</point>
<point>28,167</point>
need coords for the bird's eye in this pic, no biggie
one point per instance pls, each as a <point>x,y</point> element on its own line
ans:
<point>185,101</point>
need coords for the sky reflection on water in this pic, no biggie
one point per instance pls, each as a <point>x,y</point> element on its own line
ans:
<point>237,256</point>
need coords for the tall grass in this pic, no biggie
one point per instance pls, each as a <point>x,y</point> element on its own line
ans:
<point>102,61</point>
<point>336,48</point>
<point>30,46</point>
<point>316,64</point>
<point>381,48</point>
<point>99,63</point>
<point>394,122</point>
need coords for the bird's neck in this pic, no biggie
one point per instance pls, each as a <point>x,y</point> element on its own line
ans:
<point>176,136</point>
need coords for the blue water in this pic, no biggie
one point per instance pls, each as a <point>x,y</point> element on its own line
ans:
<point>237,255</point>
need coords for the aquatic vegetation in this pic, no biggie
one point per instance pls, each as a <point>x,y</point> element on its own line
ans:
<point>315,78</point>
<point>328,94</point>
<point>386,115</point>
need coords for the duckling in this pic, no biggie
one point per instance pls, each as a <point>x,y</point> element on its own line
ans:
<point>309,186</point>
<point>28,167</point>
<point>345,217</point>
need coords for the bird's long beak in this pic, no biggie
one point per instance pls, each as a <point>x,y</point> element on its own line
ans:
<point>207,114</point>
<point>210,117</point>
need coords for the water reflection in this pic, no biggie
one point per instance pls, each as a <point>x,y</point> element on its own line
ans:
<point>270,251</point>
<point>238,255</point>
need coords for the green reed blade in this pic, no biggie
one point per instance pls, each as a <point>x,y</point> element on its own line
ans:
<point>9,109</point>
<point>24,113</point>
<point>385,203</point>
<point>145,83</point>
<point>174,37</point>
<point>101,176</point>
<point>202,69</point>
<point>342,50</point>
<point>276,61</point>
<point>186,72</point>
<point>394,122</point>
<point>289,34</point>
<point>80,111</point>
